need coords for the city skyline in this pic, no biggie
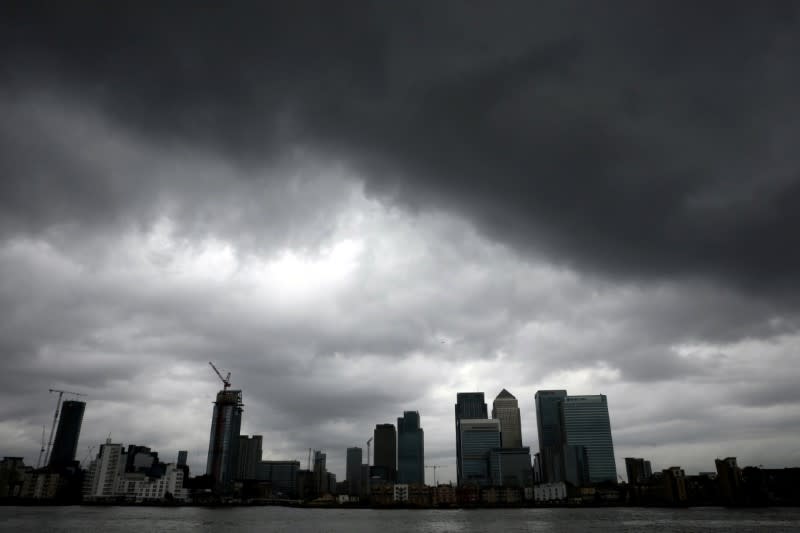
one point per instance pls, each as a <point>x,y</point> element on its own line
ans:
<point>361,209</point>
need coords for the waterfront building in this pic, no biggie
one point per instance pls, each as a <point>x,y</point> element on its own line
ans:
<point>585,422</point>
<point>478,438</point>
<point>67,434</point>
<point>638,470</point>
<point>410,449</point>
<point>353,478</point>
<point>469,405</point>
<point>550,492</point>
<point>223,446</point>
<point>281,474</point>
<point>385,442</point>
<point>100,481</point>
<point>548,424</point>
<point>249,455</point>
<point>505,408</point>
<point>511,467</point>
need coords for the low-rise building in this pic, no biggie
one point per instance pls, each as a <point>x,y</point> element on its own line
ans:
<point>40,485</point>
<point>443,495</point>
<point>400,493</point>
<point>550,492</point>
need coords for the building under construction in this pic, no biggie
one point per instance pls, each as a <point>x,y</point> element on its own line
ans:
<point>223,446</point>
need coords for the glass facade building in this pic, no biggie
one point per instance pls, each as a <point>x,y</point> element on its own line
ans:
<point>469,405</point>
<point>67,434</point>
<point>511,467</point>
<point>478,438</point>
<point>585,422</point>
<point>385,442</point>
<point>410,449</point>
<point>354,458</point>
<point>548,424</point>
<point>223,446</point>
<point>282,475</point>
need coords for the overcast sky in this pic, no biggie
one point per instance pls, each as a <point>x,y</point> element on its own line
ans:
<point>360,208</point>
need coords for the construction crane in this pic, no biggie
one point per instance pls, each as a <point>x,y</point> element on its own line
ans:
<point>41,452</point>
<point>369,444</point>
<point>434,472</point>
<point>61,394</point>
<point>226,381</point>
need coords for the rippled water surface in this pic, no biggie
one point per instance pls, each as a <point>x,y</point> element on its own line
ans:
<point>142,519</point>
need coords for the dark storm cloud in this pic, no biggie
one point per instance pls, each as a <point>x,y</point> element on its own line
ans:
<point>647,140</point>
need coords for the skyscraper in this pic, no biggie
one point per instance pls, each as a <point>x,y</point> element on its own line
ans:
<point>223,446</point>
<point>320,472</point>
<point>469,405</point>
<point>183,456</point>
<point>354,458</point>
<point>548,423</point>
<point>505,408</point>
<point>585,422</point>
<point>67,434</point>
<point>385,458</point>
<point>410,449</point>
<point>478,438</point>
<point>249,456</point>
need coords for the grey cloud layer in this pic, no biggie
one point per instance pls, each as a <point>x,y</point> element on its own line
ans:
<point>183,184</point>
<point>643,140</point>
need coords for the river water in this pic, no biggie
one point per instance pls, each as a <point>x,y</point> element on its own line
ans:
<point>282,519</point>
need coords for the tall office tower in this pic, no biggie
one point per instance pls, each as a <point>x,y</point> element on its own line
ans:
<point>320,472</point>
<point>478,438</point>
<point>410,449</point>
<point>183,456</point>
<point>505,408</point>
<point>354,457</point>
<point>249,456</point>
<point>585,423</point>
<point>468,405</point>
<point>226,422</point>
<point>385,458</point>
<point>548,422</point>
<point>67,434</point>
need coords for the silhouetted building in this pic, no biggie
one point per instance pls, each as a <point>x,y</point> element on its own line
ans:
<point>354,458</point>
<point>469,405</point>
<point>183,456</point>
<point>511,467</point>
<point>320,472</point>
<point>638,470</point>
<point>505,408</point>
<point>548,423</point>
<point>281,474</point>
<point>67,434</point>
<point>141,459</point>
<point>410,449</point>
<point>223,446</point>
<point>385,442</point>
<point>574,462</point>
<point>249,456</point>
<point>585,422</point>
<point>478,438</point>
<point>729,481</point>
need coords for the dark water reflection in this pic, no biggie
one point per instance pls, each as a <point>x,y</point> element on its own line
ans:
<point>279,519</point>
